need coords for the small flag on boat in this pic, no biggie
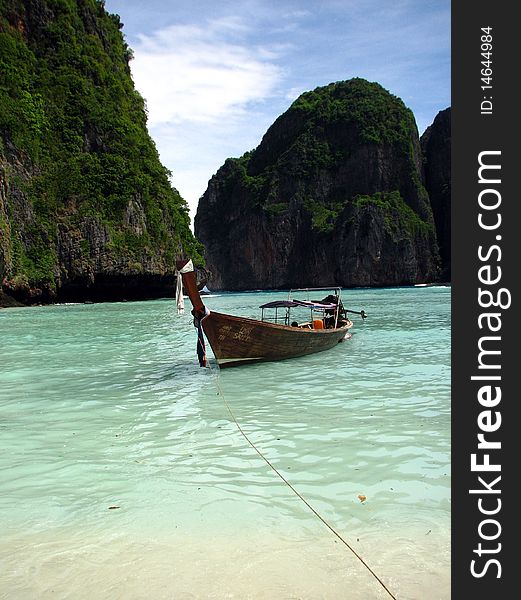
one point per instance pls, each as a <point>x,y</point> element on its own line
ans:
<point>179,294</point>
<point>179,299</point>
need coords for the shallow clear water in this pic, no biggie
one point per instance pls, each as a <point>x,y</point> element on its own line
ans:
<point>104,405</point>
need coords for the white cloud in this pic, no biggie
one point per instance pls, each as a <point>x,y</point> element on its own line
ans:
<point>196,74</point>
<point>205,88</point>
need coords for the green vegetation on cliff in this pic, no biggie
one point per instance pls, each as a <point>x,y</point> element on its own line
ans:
<point>74,143</point>
<point>379,117</point>
<point>399,218</point>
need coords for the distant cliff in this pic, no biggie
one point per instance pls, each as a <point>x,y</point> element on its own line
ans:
<point>332,195</point>
<point>86,208</point>
<point>436,144</point>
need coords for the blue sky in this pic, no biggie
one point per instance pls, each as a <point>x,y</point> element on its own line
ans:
<point>215,75</point>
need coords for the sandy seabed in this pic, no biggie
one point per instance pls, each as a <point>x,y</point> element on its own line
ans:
<point>257,566</point>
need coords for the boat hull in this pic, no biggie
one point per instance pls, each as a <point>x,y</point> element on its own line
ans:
<point>237,340</point>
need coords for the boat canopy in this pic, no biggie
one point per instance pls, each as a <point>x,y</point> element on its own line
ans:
<point>294,303</point>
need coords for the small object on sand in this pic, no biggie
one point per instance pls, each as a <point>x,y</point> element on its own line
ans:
<point>362,498</point>
<point>113,507</point>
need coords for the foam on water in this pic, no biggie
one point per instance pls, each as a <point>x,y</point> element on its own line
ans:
<point>104,406</point>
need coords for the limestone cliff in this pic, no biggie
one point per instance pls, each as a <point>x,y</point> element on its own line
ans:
<point>87,210</point>
<point>436,144</point>
<point>332,195</point>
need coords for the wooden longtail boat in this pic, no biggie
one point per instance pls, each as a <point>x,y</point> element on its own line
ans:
<point>239,340</point>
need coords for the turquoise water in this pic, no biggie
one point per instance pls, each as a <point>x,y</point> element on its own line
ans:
<point>104,406</point>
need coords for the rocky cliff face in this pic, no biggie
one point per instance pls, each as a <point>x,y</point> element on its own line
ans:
<point>332,195</point>
<point>86,208</point>
<point>436,144</point>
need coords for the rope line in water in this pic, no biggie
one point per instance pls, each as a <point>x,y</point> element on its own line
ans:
<point>295,491</point>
